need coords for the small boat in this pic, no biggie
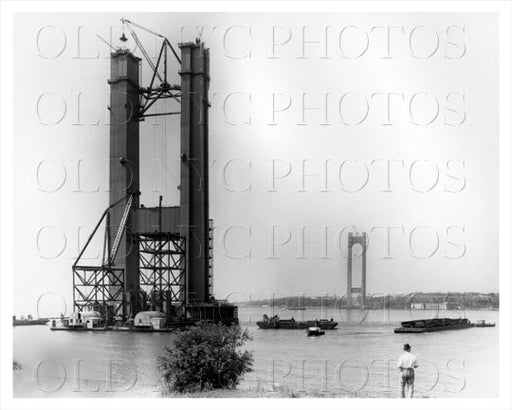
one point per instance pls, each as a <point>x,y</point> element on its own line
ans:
<point>315,331</point>
<point>483,323</point>
<point>276,323</point>
<point>296,308</point>
<point>433,325</point>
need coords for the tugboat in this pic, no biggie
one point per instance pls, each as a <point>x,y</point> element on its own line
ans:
<point>433,325</point>
<point>483,323</point>
<point>276,323</point>
<point>315,331</point>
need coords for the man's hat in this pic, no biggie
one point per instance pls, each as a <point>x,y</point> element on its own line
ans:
<point>407,346</point>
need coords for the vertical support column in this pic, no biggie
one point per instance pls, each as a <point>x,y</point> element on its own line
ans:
<point>363,269</point>
<point>124,158</point>
<point>349,269</point>
<point>194,207</point>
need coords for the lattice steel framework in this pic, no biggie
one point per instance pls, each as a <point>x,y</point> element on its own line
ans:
<point>162,272</point>
<point>211,242</point>
<point>99,288</point>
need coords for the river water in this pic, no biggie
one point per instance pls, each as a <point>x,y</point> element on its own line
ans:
<point>358,359</point>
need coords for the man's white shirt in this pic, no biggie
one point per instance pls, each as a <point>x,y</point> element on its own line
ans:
<point>408,361</point>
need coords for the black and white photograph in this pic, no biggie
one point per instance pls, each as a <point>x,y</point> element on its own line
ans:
<point>284,203</point>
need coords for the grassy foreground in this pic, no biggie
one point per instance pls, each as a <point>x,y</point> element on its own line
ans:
<point>278,392</point>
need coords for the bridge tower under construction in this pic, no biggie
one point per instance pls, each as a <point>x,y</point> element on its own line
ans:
<point>155,258</point>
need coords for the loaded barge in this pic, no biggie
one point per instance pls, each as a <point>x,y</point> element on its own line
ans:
<point>145,321</point>
<point>29,321</point>
<point>148,321</point>
<point>276,323</point>
<point>433,325</point>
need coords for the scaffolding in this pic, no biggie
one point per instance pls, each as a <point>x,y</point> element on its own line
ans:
<point>162,272</point>
<point>98,288</point>
<point>210,256</point>
<point>102,288</point>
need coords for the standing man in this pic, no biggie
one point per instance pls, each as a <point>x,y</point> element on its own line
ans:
<point>407,363</point>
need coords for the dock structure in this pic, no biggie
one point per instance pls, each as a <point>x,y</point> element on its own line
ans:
<point>155,258</point>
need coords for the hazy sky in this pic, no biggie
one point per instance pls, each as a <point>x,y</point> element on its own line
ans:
<point>439,135</point>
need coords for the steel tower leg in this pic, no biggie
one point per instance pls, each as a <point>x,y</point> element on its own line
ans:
<point>124,161</point>
<point>194,207</point>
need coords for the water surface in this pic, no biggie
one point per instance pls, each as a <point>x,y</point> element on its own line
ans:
<point>357,359</point>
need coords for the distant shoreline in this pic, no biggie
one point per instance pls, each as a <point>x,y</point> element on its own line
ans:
<point>368,308</point>
<point>411,301</point>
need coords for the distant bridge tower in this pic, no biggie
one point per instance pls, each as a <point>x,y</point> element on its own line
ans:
<point>363,241</point>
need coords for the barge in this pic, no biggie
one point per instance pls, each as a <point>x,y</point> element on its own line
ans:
<point>146,321</point>
<point>433,325</point>
<point>29,321</point>
<point>276,323</point>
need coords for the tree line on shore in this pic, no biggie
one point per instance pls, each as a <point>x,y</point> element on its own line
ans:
<point>446,300</point>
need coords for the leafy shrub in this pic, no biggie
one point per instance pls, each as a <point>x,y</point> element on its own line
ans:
<point>206,357</point>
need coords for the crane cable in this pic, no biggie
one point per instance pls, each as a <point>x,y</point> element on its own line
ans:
<point>164,152</point>
<point>144,52</point>
<point>166,40</point>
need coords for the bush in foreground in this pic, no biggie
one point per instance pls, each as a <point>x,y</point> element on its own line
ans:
<point>206,357</point>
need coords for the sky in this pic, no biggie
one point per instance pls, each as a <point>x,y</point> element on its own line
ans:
<point>319,124</point>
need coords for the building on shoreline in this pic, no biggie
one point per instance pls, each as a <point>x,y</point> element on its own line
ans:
<point>429,306</point>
